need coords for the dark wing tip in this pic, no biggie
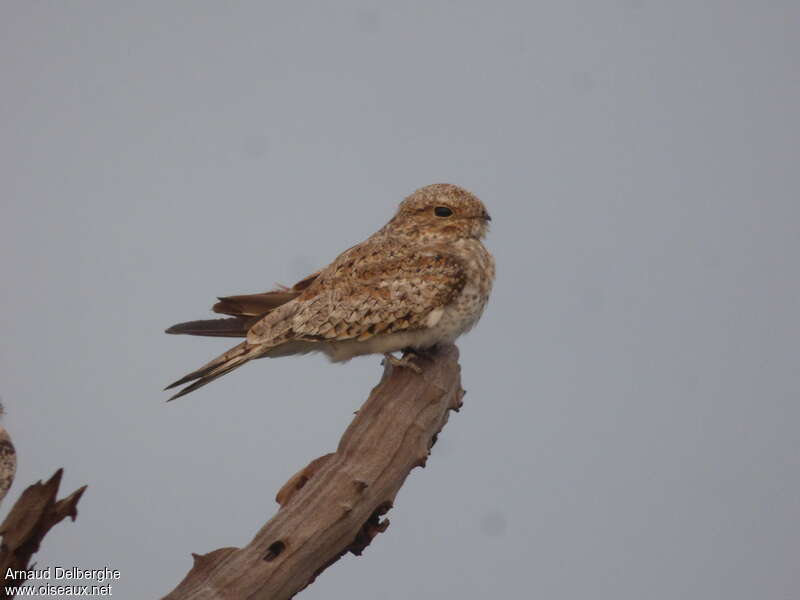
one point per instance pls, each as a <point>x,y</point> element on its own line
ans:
<point>199,381</point>
<point>185,390</point>
<point>178,395</point>
<point>181,381</point>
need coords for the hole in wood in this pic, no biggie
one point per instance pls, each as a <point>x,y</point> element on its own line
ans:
<point>274,551</point>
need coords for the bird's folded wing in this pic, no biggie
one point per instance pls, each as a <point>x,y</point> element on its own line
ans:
<point>358,299</point>
<point>258,305</point>
<point>253,305</point>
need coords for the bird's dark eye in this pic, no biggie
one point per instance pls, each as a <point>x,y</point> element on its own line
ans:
<point>442,211</point>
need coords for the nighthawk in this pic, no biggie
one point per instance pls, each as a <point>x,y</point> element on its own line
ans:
<point>423,279</point>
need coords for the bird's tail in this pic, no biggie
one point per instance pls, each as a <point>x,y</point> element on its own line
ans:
<point>229,327</point>
<point>225,363</point>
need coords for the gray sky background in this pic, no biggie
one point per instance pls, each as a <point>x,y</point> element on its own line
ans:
<point>631,424</point>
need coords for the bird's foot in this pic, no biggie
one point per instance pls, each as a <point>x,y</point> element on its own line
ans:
<point>407,362</point>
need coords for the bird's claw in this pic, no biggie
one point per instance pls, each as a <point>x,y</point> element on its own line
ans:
<point>407,362</point>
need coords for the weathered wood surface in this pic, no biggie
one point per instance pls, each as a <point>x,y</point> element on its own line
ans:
<point>35,513</point>
<point>335,504</point>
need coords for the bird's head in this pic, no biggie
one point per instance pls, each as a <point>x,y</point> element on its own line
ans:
<point>441,212</point>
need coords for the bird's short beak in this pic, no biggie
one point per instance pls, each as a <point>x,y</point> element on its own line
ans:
<point>487,216</point>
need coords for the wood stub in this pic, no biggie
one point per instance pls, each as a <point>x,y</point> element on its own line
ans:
<point>35,513</point>
<point>336,504</point>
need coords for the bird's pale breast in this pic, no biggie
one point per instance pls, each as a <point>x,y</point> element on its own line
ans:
<point>466,309</point>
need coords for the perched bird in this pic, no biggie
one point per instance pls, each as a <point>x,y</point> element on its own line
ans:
<point>422,279</point>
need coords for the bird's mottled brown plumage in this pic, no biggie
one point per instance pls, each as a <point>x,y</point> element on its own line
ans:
<point>422,279</point>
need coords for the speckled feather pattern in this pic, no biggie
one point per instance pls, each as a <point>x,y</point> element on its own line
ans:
<point>422,279</point>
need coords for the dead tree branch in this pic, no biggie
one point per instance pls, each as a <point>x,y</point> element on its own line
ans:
<point>32,516</point>
<point>35,513</point>
<point>335,504</point>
